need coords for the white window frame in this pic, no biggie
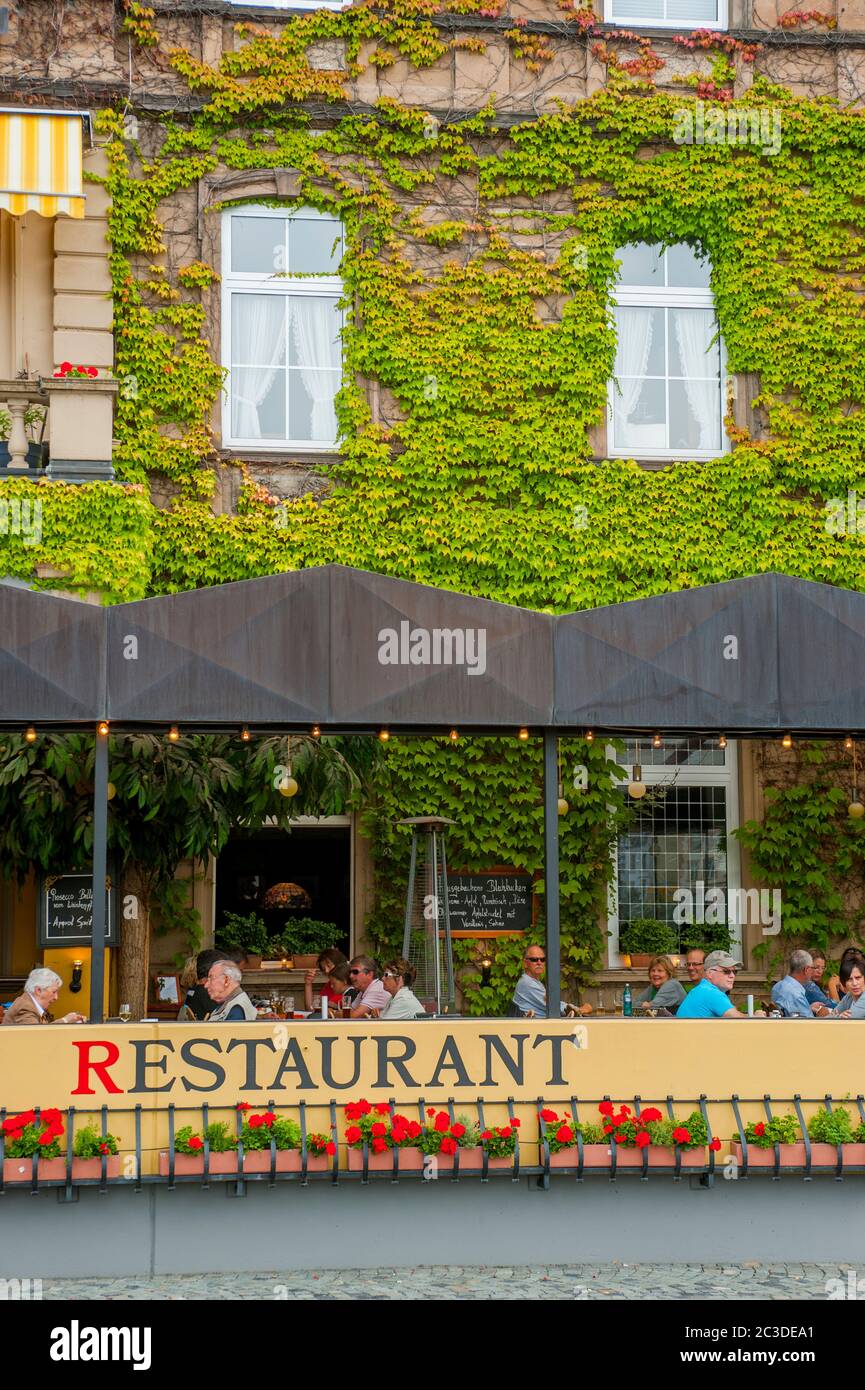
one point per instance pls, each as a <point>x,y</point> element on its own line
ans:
<point>256,282</point>
<point>292,4</point>
<point>685,776</point>
<point>666,297</point>
<point>611,16</point>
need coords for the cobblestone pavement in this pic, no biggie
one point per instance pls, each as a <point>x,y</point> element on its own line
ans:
<point>609,1282</point>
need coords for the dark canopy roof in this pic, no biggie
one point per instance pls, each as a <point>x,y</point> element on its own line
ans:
<point>348,649</point>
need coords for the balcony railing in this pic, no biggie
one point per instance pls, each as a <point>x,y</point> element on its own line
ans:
<point>76,416</point>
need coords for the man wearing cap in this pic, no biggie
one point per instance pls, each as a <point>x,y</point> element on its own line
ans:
<point>711,997</point>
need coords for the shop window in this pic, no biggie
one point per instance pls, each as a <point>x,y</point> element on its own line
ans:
<point>281,328</point>
<point>667,14</point>
<point>666,400</point>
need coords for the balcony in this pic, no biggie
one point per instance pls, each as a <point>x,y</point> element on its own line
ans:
<point>57,427</point>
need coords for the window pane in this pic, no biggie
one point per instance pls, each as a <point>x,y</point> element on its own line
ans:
<point>688,10</point>
<point>640,342</point>
<point>258,334</point>
<point>684,270</point>
<point>676,841</point>
<point>695,415</point>
<point>641,265</point>
<point>266,418</point>
<point>310,405</point>
<point>314,246</point>
<point>258,244</point>
<point>674,752</point>
<point>691,333</point>
<point>639,415</point>
<point>638,9</point>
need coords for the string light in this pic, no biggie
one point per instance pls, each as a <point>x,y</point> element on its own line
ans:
<point>787,741</point>
<point>102,728</point>
<point>288,785</point>
<point>30,734</point>
<point>657,741</point>
<point>523,734</point>
<point>245,734</point>
<point>636,786</point>
<point>722,740</point>
<point>454,735</point>
<point>848,742</point>
<point>590,735</point>
<point>173,734</point>
<point>316,731</point>
<point>384,735</point>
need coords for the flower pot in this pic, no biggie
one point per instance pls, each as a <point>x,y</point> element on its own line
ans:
<point>287,1161</point>
<point>5,456</point>
<point>599,1156</point>
<point>640,961</point>
<point>253,962</point>
<point>193,1164</point>
<point>21,1170</point>
<point>792,1155</point>
<point>410,1161</point>
<point>472,1160</point>
<point>36,454</point>
<point>305,962</point>
<point>92,1167</point>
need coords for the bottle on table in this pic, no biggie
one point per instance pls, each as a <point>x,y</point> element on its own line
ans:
<point>627,1006</point>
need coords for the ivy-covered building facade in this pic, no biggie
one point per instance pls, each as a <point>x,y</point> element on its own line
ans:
<point>550,305</point>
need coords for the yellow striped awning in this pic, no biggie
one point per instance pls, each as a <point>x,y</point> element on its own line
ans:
<point>41,163</point>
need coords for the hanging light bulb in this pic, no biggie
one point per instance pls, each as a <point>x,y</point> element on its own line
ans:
<point>102,728</point>
<point>855,810</point>
<point>722,740</point>
<point>636,786</point>
<point>111,791</point>
<point>245,734</point>
<point>316,731</point>
<point>454,735</point>
<point>523,734</point>
<point>590,735</point>
<point>288,785</point>
<point>848,743</point>
<point>787,741</point>
<point>657,741</point>
<point>563,807</point>
<point>173,734</point>
<point>384,735</point>
<point>30,734</point>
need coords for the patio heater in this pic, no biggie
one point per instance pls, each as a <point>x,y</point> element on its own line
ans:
<point>427,938</point>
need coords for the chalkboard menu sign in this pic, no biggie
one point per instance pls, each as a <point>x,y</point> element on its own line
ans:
<point>491,903</point>
<point>66,910</point>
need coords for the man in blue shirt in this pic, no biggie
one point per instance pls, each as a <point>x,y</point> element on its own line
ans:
<point>813,992</point>
<point>789,994</point>
<point>530,995</point>
<point>711,997</point>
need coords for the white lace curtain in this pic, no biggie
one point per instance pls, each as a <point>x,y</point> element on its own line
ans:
<point>314,327</point>
<point>258,337</point>
<point>634,327</point>
<point>694,329</point>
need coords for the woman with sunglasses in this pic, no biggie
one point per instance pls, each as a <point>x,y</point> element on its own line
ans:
<point>398,978</point>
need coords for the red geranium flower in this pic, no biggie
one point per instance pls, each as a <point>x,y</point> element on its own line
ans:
<point>268,1117</point>
<point>608,1129</point>
<point>352,1111</point>
<point>515,1124</point>
<point>621,1138</point>
<point>330,1147</point>
<point>642,1139</point>
<point>378,1130</point>
<point>364,1107</point>
<point>715,1144</point>
<point>625,1110</point>
<point>47,1138</point>
<point>430,1113</point>
<point>458,1131</point>
<point>382,1108</point>
<point>243,1105</point>
<point>564,1134</point>
<point>379,1146</point>
<point>549,1117</point>
<point>15,1135</point>
<point>505,1132</point>
<point>414,1130</point>
<point>353,1135</point>
<point>682,1135</point>
<point>196,1143</point>
<point>105,1148</point>
<point>651,1115</point>
<point>606,1107</point>
<point>52,1118</point>
<point>255,1121</point>
<point>448,1146</point>
<point>760,1128</point>
<point>486,1134</point>
<point>442,1122</point>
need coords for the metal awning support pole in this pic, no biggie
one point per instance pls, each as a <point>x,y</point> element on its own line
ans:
<point>100,870</point>
<point>551,872</point>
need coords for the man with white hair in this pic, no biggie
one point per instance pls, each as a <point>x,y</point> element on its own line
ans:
<point>233,1005</point>
<point>789,994</point>
<point>40,991</point>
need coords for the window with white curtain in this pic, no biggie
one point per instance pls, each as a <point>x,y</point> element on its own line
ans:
<point>667,14</point>
<point>666,399</point>
<point>281,327</point>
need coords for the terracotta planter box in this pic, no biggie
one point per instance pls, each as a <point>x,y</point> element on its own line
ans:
<point>410,1161</point>
<point>598,1156</point>
<point>305,962</point>
<point>21,1170</point>
<point>287,1161</point>
<point>472,1160</point>
<point>92,1167</point>
<point>792,1155</point>
<point>193,1164</point>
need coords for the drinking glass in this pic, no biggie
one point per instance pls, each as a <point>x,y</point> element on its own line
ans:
<point>125,1013</point>
<point>289,1003</point>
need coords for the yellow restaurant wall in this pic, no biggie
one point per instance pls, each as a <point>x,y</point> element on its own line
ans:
<point>619,1058</point>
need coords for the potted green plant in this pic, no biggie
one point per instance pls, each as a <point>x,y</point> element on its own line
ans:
<point>708,936</point>
<point>5,431</point>
<point>374,1128</point>
<point>262,1132</point>
<point>26,1136</point>
<point>632,1135</point>
<point>189,1151</point>
<point>34,424</point>
<point>248,934</point>
<point>88,1149</point>
<point>761,1136</point>
<point>442,1139</point>
<point>646,937</point>
<point>304,939</point>
<point>827,1129</point>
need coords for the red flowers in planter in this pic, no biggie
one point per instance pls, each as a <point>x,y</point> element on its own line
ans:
<point>78,373</point>
<point>195,1142</point>
<point>25,1135</point>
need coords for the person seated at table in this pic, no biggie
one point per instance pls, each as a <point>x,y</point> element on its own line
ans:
<point>852,975</point>
<point>664,990</point>
<point>530,995</point>
<point>711,997</point>
<point>788,994</point>
<point>398,977</point>
<point>325,963</point>
<point>41,988</point>
<point>813,987</point>
<point>695,964</point>
<point>371,993</point>
<point>833,985</point>
<point>197,999</point>
<point>233,1005</point>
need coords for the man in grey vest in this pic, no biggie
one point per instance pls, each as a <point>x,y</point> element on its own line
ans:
<point>233,1005</point>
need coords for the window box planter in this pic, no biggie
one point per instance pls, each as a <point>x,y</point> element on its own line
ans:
<point>92,1167</point>
<point>410,1161</point>
<point>287,1161</point>
<point>792,1155</point>
<point>21,1170</point>
<point>472,1160</point>
<point>192,1165</point>
<point>599,1156</point>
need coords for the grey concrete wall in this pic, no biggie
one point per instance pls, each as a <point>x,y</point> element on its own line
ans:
<point>436,1223</point>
